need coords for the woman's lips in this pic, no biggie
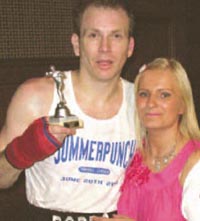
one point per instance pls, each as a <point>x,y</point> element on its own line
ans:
<point>152,114</point>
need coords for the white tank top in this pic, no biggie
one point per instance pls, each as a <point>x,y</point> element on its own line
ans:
<point>86,173</point>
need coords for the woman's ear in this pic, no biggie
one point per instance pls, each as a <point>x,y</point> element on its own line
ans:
<point>181,108</point>
<point>75,44</point>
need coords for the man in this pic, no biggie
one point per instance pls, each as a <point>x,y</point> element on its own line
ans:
<point>74,174</point>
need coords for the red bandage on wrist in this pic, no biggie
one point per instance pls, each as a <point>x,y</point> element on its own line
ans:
<point>35,144</point>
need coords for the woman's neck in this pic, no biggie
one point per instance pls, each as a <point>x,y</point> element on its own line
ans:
<point>161,148</point>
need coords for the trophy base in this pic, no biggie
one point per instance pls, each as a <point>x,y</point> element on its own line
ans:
<point>69,121</point>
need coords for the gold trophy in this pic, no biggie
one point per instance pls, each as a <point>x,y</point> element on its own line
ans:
<point>62,115</point>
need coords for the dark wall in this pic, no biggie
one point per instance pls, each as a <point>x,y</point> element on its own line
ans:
<point>193,49</point>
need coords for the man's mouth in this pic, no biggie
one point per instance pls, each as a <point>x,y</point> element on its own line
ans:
<point>104,64</point>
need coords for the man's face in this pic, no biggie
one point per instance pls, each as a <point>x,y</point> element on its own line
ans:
<point>104,43</point>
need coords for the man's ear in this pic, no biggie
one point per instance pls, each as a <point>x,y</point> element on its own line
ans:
<point>75,44</point>
<point>131,46</point>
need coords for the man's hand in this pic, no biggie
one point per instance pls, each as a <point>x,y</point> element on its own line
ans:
<point>39,141</point>
<point>60,132</point>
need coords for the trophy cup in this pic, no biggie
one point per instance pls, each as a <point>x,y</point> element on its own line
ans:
<point>62,115</point>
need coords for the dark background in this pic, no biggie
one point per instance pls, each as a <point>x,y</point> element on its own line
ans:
<point>36,33</point>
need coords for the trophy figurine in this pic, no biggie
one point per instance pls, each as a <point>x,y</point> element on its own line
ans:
<point>62,115</point>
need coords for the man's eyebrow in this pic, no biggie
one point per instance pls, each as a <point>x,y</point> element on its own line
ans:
<point>118,31</point>
<point>90,30</point>
<point>86,30</point>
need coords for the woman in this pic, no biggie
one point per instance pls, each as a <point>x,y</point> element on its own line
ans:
<point>162,182</point>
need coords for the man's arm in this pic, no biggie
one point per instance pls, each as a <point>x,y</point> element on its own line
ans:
<point>22,110</point>
<point>18,137</point>
<point>8,174</point>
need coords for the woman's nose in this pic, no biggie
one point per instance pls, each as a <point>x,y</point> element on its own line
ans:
<point>152,100</point>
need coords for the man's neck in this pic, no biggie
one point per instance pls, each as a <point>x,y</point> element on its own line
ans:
<point>98,99</point>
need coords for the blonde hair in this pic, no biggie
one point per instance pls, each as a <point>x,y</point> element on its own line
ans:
<point>188,124</point>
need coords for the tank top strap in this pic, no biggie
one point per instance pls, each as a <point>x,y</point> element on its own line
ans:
<point>179,161</point>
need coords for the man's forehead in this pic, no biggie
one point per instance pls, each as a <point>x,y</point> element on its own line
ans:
<point>101,18</point>
<point>100,12</point>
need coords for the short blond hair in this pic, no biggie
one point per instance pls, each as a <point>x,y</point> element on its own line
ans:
<point>112,4</point>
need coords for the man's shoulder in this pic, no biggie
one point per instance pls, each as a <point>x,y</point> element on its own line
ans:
<point>127,82</point>
<point>35,86</point>
<point>37,83</point>
<point>34,93</point>
<point>128,89</point>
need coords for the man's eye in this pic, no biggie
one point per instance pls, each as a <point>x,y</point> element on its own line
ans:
<point>117,36</point>
<point>92,35</point>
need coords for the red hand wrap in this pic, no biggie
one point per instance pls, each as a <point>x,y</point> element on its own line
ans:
<point>35,144</point>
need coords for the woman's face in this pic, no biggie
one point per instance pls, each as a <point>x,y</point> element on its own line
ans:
<point>158,100</point>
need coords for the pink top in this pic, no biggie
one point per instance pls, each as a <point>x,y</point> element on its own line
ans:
<point>148,196</point>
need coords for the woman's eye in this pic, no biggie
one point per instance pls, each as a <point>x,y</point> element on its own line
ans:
<point>165,94</point>
<point>142,94</point>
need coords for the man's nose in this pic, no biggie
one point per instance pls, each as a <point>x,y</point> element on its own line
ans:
<point>105,44</point>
